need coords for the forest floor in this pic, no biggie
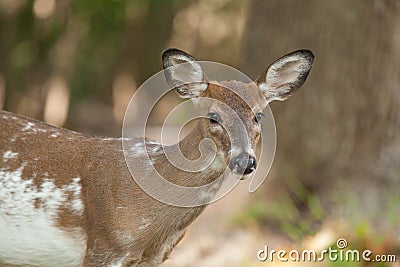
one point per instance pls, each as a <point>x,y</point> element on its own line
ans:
<point>214,240</point>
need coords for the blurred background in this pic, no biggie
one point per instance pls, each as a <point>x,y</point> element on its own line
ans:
<point>76,64</point>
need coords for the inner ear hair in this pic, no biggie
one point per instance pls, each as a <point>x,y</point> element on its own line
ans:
<point>183,73</point>
<point>286,75</point>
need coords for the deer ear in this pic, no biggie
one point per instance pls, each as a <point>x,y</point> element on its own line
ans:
<point>285,75</point>
<point>183,73</point>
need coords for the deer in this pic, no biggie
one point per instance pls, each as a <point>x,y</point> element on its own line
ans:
<point>68,199</point>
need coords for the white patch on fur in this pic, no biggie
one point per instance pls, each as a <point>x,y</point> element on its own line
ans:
<point>138,149</point>
<point>234,151</point>
<point>167,246</point>
<point>144,224</point>
<point>119,262</point>
<point>251,152</point>
<point>153,147</point>
<point>110,138</point>
<point>218,164</point>
<point>28,126</point>
<point>208,193</point>
<point>153,143</point>
<point>76,204</point>
<point>9,155</point>
<point>28,234</point>
<point>55,134</point>
<point>6,117</point>
<point>125,238</point>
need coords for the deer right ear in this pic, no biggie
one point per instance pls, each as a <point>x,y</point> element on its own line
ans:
<point>285,75</point>
<point>183,73</point>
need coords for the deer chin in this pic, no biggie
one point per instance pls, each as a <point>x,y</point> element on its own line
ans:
<point>240,175</point>
<point>245,177</point>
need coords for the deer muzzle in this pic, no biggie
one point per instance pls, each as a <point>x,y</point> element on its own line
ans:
<point>243,164</point>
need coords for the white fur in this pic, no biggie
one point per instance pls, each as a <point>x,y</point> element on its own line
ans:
<point>167,246</point>
<point>209,192</point>
<point>149,147</point>
<point>284,71</point>
<point>55,134</point>
<point>234,151</point>
<point>144,224</point>
<point>153,147</point>
<point>138,149</point>
<point>251,152</point>
<point>9,155</point>
<point>191,71</point>
<point>28,234</point>
<point>28,126</point>
<point>218,163</point>
<point>274,73</point>
<point>76,204</point>
<point>188,72</point>
<point>125,238</point>
<point>153,143</point>
<point>118,263</point>
<point>6,117</point>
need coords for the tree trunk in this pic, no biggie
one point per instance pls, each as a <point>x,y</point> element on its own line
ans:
<point>342,128</point>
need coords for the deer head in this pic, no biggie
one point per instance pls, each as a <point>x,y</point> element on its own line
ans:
<point>235,135</point>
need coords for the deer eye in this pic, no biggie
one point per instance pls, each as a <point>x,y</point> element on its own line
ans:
<point>213,117</point>
<point>258,117</point>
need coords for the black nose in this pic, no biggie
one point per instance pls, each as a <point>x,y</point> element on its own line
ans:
<point>243,164</point>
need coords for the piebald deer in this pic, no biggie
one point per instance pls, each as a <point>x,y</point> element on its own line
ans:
<point>68,199</point>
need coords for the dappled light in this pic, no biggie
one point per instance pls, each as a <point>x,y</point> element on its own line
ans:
<point>44,8</point>
<point>123,88</point>
<point>204,25</point>
<point>57,102</point>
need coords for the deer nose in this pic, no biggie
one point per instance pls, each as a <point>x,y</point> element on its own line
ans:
<point>243,164</point>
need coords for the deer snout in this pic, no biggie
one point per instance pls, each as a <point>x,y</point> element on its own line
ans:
<point>243,164</point>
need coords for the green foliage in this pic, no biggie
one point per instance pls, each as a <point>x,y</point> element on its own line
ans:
<point>254,213</point>
<point>304,210</point>
<point>86,42</point>
<point>295,215</point>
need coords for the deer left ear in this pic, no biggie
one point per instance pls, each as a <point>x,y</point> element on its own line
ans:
<point>285,75</point>
<point>183,73</point>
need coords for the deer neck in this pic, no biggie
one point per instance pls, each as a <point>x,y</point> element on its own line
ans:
<point>189,147</point>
